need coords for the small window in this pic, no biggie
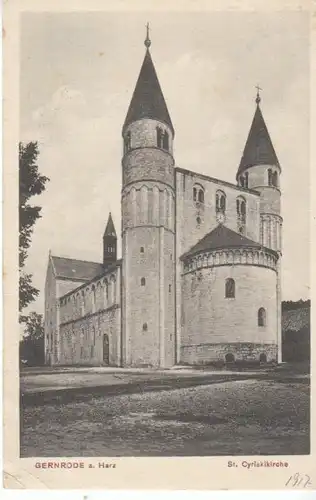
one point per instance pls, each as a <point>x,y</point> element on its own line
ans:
<point>229,358</point>
<point>165,141</point>
<point>201,196</point>
<point>230,288</point>
<point>143,281</point>
<point>198,221</point>
<point>159,137</point>
<point>81,352</point>
<point>220,202</point>
<point>262,317</point>
<point>141,249</point>
<point>270,177</point>
<point>275,179</point>
<point>263,357</point>
<point>198,194</point>
<point>145,327</point>
<point>92,351</point>
<point>241,214</point>
<point>169,288</point>
<point>246,179</point>
<point>127,142</point>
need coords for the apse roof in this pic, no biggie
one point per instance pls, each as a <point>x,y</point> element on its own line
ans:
<point>221,237</point>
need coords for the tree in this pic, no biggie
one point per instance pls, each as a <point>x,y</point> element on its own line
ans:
<point>32,345</point>
<point>34,326</point>
<point>31,184</point>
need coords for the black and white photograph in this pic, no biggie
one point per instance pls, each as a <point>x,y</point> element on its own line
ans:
<point>164,245</point>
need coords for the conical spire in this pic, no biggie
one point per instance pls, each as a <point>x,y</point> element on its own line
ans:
<point>259,149</point>
<point>110,229</point>
<point>109,243</point>
<point>148,100</point>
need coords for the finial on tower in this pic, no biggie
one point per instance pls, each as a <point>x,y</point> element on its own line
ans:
<point>258,98</point>
<point>147,41</point>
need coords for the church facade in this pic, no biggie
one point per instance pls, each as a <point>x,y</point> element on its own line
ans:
<point>199,280</point>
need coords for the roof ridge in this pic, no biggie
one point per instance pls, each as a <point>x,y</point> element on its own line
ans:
<point>220,181</point>
<point>77,260</point>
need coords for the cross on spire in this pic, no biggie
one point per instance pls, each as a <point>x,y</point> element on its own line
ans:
<point>258,98</point>
<point>147,40</point>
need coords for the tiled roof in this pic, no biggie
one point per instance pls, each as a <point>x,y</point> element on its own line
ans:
<point>148,100</point>
<point>221,237</point>
<point>296,320</point>
<point>259,149</point>
<point>76,269</point>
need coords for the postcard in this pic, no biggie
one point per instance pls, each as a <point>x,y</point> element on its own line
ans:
<point>158,245</point>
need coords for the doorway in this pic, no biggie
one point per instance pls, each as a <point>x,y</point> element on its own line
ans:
<point>106,349</point>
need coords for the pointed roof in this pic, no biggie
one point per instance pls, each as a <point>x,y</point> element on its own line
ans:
<point>148,100</point>
<point>259,149</point>
<point>110,229</point>
<point>221,237</point>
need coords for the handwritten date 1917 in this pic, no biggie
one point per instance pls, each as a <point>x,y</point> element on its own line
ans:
<point>299,480</point>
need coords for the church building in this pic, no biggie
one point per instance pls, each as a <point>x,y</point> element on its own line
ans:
<point>199,280</point>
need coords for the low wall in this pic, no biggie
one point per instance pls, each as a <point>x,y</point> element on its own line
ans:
<point>208,353</point>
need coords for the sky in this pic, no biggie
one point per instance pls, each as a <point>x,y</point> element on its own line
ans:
<point>77,75</point>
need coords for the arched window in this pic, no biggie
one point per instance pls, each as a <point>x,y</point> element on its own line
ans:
<point>83,303</point>
<point>262,317</point>
<point>275,179</point>
<point>165,141</point>
<point>198,194</point>
<point>143,281</point>
<point>241,214</point>
<point>229,358</point>
<point>127,142</point>
<point>141,249</point>
<point>246,179</point>
<point>230,289</point>
<point>93,335</point>
<point>145,327</point>
<point>270,177</point>
<point>159,137</point>
<point>220,202</point>
<point>201,196</point>
<point>94,298</point>
<point>263,357</point>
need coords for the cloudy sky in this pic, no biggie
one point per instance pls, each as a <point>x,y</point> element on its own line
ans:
<point>78,72</point>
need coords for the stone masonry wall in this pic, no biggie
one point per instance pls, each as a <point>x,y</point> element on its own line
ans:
<point>208,353</point>
<point>90,320</point>
<point>208,317</point>
<point>83,341</point>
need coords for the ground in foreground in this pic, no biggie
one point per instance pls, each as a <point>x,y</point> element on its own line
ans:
<point>248,417</point>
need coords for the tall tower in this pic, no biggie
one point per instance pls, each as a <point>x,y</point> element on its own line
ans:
<point>148,225</point>
<point>109,243</point>
<point>259,169</point>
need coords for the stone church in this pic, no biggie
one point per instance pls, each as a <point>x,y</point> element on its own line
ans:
<point>200,273</point>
